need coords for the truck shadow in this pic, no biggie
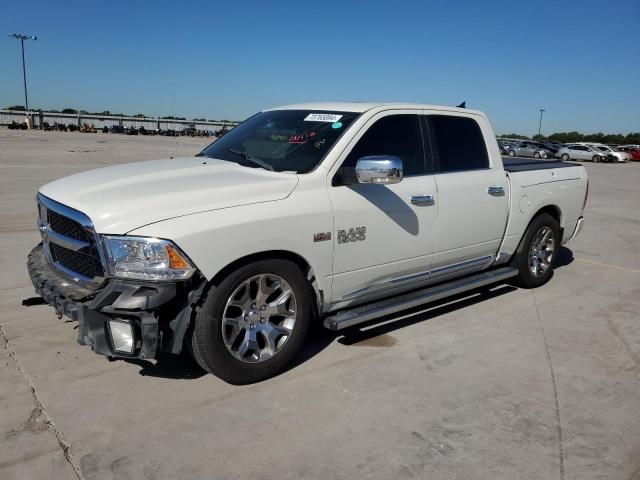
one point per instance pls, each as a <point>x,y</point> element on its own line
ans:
<point>391,204</point>
<point>374,333</point>
<point>565,257</point>
<point>176,367</point>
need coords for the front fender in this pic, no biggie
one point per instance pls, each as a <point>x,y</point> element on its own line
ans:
<point>215,239</point>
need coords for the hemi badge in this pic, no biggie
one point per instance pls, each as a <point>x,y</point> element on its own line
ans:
<point>321,237</point>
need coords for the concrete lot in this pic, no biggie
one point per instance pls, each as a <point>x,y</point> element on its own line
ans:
<point>540,384</point>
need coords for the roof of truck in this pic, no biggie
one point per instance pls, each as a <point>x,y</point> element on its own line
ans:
<point>364,106</point>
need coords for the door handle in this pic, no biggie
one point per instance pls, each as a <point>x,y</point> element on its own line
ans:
<point>426,199</point>
<point>496,191</point>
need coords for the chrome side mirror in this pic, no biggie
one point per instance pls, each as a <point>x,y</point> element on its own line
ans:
<point>379,169</point>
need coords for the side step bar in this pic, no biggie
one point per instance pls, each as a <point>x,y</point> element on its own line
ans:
<point>363,313</point>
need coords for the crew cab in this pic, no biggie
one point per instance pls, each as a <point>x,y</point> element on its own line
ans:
<point>326,212</point>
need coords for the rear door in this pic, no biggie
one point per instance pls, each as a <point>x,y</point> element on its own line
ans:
<point>472,193</point>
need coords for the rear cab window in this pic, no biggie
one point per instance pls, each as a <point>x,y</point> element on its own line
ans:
<point>457,143</point>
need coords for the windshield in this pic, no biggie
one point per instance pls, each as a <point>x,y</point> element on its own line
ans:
<point>282,140</point>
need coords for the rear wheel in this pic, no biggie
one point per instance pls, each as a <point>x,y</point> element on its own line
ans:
<point>537,253</point>
<point>565,157</point>
<point>254,322</point>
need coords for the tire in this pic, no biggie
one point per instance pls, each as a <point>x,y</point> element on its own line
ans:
<point>536,156</point>
<point>251,357</point>
<point>512,153</point>
<point>532,273</point>
<point>596,159</point>
<point>565,157</point>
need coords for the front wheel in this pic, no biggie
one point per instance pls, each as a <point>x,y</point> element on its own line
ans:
<point>536,155</point>
<point>254,322</point>
<point>512,153</point>
<point>596,159</point>
<point>537,252</point>
<point>565,157</point>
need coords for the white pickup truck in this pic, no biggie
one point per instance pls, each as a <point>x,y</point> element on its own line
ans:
<point>327,212</point>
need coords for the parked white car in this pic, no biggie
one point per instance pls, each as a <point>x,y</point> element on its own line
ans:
<point>331,212</point>
<point>611,154</point>
<point>581,153</point>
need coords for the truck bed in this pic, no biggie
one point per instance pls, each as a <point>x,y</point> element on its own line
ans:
<point>526,164</point>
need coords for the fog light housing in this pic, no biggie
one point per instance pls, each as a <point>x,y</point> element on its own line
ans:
<point>121,335</point>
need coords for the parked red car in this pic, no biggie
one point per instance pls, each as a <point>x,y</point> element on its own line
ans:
<point>634,152</point>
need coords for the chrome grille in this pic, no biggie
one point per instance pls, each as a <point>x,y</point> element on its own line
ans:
<point>70,242</point>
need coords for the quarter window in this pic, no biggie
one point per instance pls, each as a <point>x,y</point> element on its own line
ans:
<point>393,135</point>
<point>458,144</point>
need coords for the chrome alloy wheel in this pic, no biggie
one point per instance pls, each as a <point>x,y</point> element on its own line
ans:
<point>541,252</point>
<point>258,318</point>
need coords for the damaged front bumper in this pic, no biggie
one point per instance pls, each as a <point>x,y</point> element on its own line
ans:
<point>158,313</point>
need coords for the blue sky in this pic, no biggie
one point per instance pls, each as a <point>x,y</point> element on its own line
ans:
<point>579,60</point>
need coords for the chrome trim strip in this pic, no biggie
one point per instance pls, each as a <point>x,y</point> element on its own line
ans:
<point>348,318</point>
<point>75,215</point>
<point>462,265</point>
<point>437,272</point>
<point>66,242</point>
<point>413,276</point>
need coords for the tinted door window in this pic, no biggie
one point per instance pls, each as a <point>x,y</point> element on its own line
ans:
<point>394,135</point>
<point>457,143</point>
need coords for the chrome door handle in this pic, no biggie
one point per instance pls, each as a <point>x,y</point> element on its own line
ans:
<point>423,199</point>
<point>496,191</point>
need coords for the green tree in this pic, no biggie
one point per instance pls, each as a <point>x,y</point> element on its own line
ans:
<point>633,138</point>
<point>514,135</point>
<point>68,110</point>
<point>16,108</point>
<point>566,137</point>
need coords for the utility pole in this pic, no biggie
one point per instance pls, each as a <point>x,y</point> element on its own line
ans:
<point>22,38</point>
<point>540,124</point>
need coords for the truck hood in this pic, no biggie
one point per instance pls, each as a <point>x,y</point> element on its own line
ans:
<point>121,198</point>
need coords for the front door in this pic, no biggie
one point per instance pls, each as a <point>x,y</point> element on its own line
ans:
<point>383,234</point>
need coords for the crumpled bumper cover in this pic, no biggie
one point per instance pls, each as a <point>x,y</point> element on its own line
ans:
<point>160,312</point>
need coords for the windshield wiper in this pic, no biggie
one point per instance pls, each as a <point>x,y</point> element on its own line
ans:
<point>254,160</point>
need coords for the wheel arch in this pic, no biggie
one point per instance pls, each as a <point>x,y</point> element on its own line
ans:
<point>299,260</point>
<point>550,209</point>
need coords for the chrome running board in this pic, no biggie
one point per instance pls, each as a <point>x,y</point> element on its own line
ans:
<point>363,313</point>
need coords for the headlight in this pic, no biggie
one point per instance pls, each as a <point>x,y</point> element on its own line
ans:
<point>146,258</point>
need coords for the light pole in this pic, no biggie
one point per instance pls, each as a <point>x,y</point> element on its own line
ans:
<point>540,124</point>
<point>22,38</point>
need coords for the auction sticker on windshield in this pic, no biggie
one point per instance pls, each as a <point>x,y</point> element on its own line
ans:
<point>322,117</point>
